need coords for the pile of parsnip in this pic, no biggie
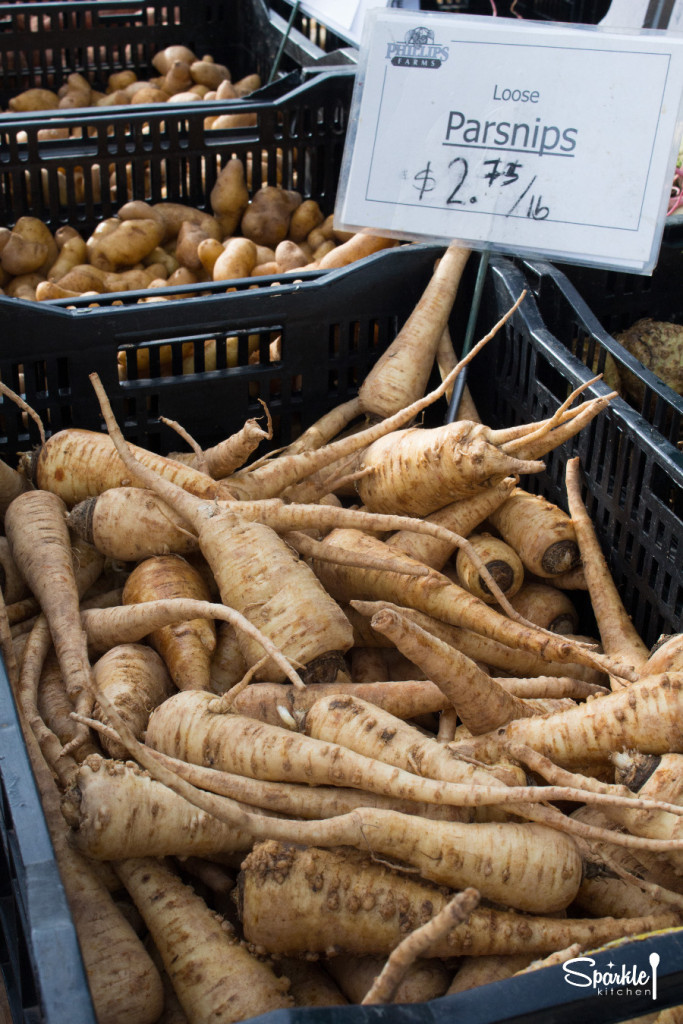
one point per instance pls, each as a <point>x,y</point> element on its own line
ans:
<point>303,735</point>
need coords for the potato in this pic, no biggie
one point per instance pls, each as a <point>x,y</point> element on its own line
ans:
<point>117,243</point>
<point>208,73</point>
<point>174,214</point>
<point>229,196</point>
<point>30,247</point>
<point>266,219</point>
<point>34,99</point>
<point>238,259</point>
<point>163,60</point>
<point>305,218</point>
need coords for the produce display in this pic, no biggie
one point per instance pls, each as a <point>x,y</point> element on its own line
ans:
<point>183,77</point>
<point>315,726</point>
<point>166,244</point>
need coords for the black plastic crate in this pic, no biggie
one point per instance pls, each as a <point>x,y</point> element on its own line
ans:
<point>141,153</point>
<point>633,475</point>
<point>40,958</point>
<point>42,43</point>
<point>585,307</point>
<point>585,12</point>
<point>330,42</point>
<point>332,327</point>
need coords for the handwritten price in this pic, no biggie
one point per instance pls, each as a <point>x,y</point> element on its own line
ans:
<point>501,174</point>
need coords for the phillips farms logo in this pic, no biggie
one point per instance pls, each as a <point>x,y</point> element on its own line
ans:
<point>418,50</point>
<point>618,980</point>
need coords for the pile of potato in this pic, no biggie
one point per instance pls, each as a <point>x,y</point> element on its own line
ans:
<point>182,78</point>
<point>165,244</point>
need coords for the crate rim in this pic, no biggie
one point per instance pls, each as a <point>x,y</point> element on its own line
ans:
<point>566,359</point>
<point>544,268</point>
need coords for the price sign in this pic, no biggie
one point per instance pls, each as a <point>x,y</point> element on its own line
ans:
<point>529,137</point>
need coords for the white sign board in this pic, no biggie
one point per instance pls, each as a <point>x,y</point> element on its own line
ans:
<point>527,137</point>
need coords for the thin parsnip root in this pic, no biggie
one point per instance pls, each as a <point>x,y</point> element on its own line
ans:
<point>40,544</point>
<point>617,632</point>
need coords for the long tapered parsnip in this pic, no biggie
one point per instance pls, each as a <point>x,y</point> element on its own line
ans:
<point>184,726</point>
<point>452,462</point>
<point>186,647</point>
<point>116,810</point>
<point>455,460</point>
<point>124,984</point>
<point>40,543</point>
<point>440,597</point>
<point>617,632</point>
<point>646,716</point>
<point>216,979</point>
<point>307,901</point>
<point>481,702</point>
<point>298,800</point>
<point>497,656</point>
<point>77,464</point>
<point>400,375</point>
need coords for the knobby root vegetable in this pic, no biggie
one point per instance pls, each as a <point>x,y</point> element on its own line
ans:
<point>215,978</point>
<point>116,811</point>
<point>306,901</point>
